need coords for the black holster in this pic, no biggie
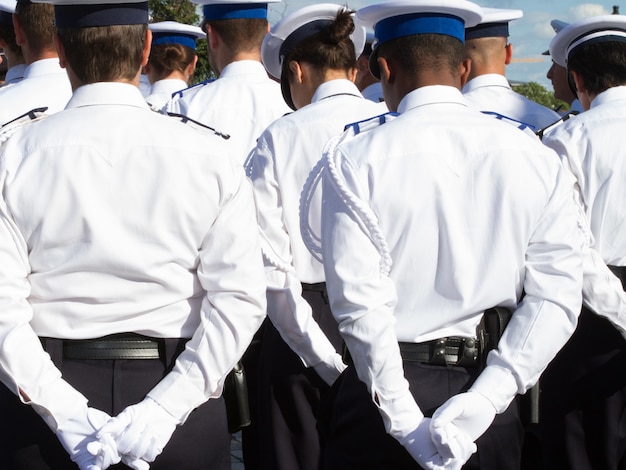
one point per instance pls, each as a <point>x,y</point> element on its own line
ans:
<point>236,399</point>
<point>490,330</point>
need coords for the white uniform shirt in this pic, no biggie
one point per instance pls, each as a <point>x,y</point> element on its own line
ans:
<point>281,163</point>
<point>117,219</point>
<point>241,103</point>
<point>590,144</point>
<point>14,74</point>
<point>492,92</point>
<point>472,212</point>
<point>45,84</point>
<point>374,92</point>
<point>161,91</point>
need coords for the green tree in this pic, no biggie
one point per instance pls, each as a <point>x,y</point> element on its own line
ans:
<point>185,12</point>
<point>540,94</point>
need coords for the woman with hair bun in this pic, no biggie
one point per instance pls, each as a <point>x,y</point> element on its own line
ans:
<point>313,53</point>
<point>172,60</point>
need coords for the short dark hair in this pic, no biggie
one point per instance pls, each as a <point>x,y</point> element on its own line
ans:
<point>600,65</point>
<point>37,21</point>
<point>424,51</point>
<point>104,53</point>
<point>240,34</point>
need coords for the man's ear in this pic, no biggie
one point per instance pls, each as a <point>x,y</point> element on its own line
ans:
<point>213,39</point>
<point>387,71</point>
<point>60,51</point>
<point>509,54</point>
<point>20,37</point>
<point>577,81</point>
<point>146,47</point>
<point>464,70</point>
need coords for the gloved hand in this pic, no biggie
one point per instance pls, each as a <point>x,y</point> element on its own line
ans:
<point>330,369</point>
<point>420,445</point>
<point>78,432</point>
<point>140,431</point>
<point>461,419</point>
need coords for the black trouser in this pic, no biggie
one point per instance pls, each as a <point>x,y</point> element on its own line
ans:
<point>583,400</point>
<point>27,443</point>
<point>354,437</point>
<point>290,394</point>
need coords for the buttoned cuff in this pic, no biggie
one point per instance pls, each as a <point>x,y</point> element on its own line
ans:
<point>60,402</point>
<point>401,415</point>
<point>178,396</point>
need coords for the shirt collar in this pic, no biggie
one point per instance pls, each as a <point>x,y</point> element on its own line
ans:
<point>43,67</point>
<point>434,94</point>
<point>489,79</point>
<point>610,95</point>
<point>15,73</point>
<point>243,67</point>
<point>107,93</point>
<point>335,87</point>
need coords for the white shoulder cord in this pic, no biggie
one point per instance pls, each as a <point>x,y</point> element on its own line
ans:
<point>327,167</point>
<point>12,128</point>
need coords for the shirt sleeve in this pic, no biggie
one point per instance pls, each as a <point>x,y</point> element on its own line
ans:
<point>363,300</point>
<point>289,312</point>
<point>231,273</point>
<point>25,368</point>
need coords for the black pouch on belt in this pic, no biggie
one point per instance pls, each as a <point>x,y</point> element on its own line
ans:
<point>490,330</point>
<point>236,399</point>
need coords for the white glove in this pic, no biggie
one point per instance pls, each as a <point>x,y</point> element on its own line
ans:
<point>420,445</point>
<point>141,432</point>
<point>331,369</point>
<point>461,419</point>
<point>79,431</point>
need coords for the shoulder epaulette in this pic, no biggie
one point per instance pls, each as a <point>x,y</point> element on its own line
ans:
<point>26,117</point>
<point>10,127</point>
<point>179,93</point>
<point>563,118</point>
<point>519,124</point>
<point>187,120</point>
<point>370,123</point>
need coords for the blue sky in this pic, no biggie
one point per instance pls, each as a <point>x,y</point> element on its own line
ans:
<point>530,35</point>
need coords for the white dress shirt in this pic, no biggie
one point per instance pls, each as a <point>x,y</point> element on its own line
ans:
<point>242,102</point>
<point>465,212</point>
<point>279,167</point>
<point>492,92</point>
<point>590,144</point>
<point>45,84</point>
<point>117,219</point>
<point>161,91</point>
<point>14,74</point>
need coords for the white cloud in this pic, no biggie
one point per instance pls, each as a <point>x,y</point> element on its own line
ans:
<point>586,10</point>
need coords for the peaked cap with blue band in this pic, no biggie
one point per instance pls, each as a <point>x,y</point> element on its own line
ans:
<point>495,24</point>
<point>7,8</point>
<point>233,10</point>
<point>596,29</point>
<point>172,32</point>
<point>394,19</point>
<point>91,13</point>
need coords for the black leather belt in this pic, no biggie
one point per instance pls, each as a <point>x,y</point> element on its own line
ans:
<point>452,351</point>
<point>120,346</point>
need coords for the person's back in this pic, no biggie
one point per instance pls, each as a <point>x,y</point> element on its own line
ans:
<point>243,101</point>
<point>126,235</point>
<point>487,88</point>
<point>430,220</point>
<point>45,83</point>
<point>581,424</point>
